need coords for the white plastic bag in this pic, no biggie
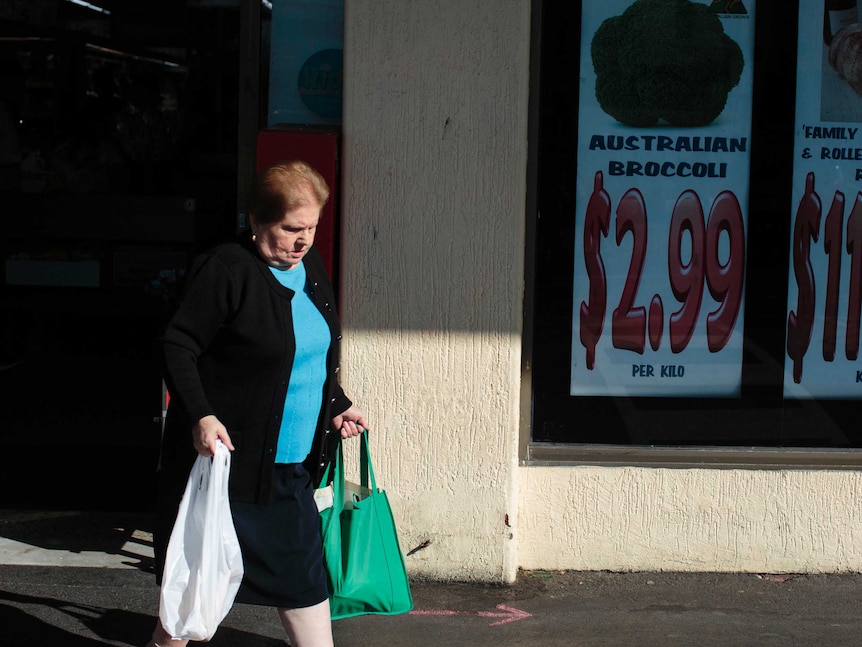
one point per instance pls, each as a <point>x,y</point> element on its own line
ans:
<point>203,565</point>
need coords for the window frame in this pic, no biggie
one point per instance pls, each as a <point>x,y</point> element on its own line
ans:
<point>551,193</point>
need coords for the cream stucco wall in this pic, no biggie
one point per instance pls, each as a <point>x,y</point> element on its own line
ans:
<point>761,521</point>
<point>432,277</point>
<point>434,184</point>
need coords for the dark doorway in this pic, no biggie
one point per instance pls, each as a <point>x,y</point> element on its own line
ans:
<point>118,161</point>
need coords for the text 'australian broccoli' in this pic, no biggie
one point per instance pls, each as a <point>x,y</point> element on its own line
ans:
<point>664,60</point>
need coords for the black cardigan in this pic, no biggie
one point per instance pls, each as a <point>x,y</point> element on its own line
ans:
<point>228,351</point>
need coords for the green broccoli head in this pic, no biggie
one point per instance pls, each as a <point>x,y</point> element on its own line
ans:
<point>664,59</point>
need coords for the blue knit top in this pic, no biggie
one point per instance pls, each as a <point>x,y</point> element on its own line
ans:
<point>305,391</point>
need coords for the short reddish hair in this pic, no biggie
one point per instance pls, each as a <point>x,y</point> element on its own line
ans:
<point>283,187</point>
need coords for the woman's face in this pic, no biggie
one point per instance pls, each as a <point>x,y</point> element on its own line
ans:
<point>283,244</point>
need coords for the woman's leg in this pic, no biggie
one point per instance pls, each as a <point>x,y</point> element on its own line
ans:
<point>309,626</point>
<point>162,638</point>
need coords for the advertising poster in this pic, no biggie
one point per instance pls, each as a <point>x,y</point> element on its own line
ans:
<point>824,287</point>
<point>664,144</point>
<point>306,61</point>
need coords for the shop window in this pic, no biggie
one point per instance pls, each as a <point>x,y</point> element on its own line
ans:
<point>698,234</point>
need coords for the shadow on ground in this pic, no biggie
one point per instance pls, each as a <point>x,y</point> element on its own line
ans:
<point>110,533</point>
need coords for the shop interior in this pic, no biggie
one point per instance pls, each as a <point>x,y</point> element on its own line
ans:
<point>118,161</point>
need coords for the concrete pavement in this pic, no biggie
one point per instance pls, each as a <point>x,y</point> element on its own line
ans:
<point>76,579</point>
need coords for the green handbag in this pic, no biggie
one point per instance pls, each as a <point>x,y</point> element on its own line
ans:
<point>366,569</point>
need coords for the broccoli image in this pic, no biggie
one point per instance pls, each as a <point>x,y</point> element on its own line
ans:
<point>664,59</point>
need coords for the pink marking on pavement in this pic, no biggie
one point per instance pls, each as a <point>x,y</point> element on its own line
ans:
<point>510,614</point>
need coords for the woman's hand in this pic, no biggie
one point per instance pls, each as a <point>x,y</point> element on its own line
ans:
<point>350,423</point>
<point>205,433</point>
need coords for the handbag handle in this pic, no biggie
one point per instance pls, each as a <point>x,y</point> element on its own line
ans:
<point>367,471</point>
<point>365,463</point>
<point>363,457</point>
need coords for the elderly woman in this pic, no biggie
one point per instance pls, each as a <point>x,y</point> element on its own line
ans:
<point>250,358</point>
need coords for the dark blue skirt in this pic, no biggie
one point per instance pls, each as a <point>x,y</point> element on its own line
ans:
<point>282,552</point>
